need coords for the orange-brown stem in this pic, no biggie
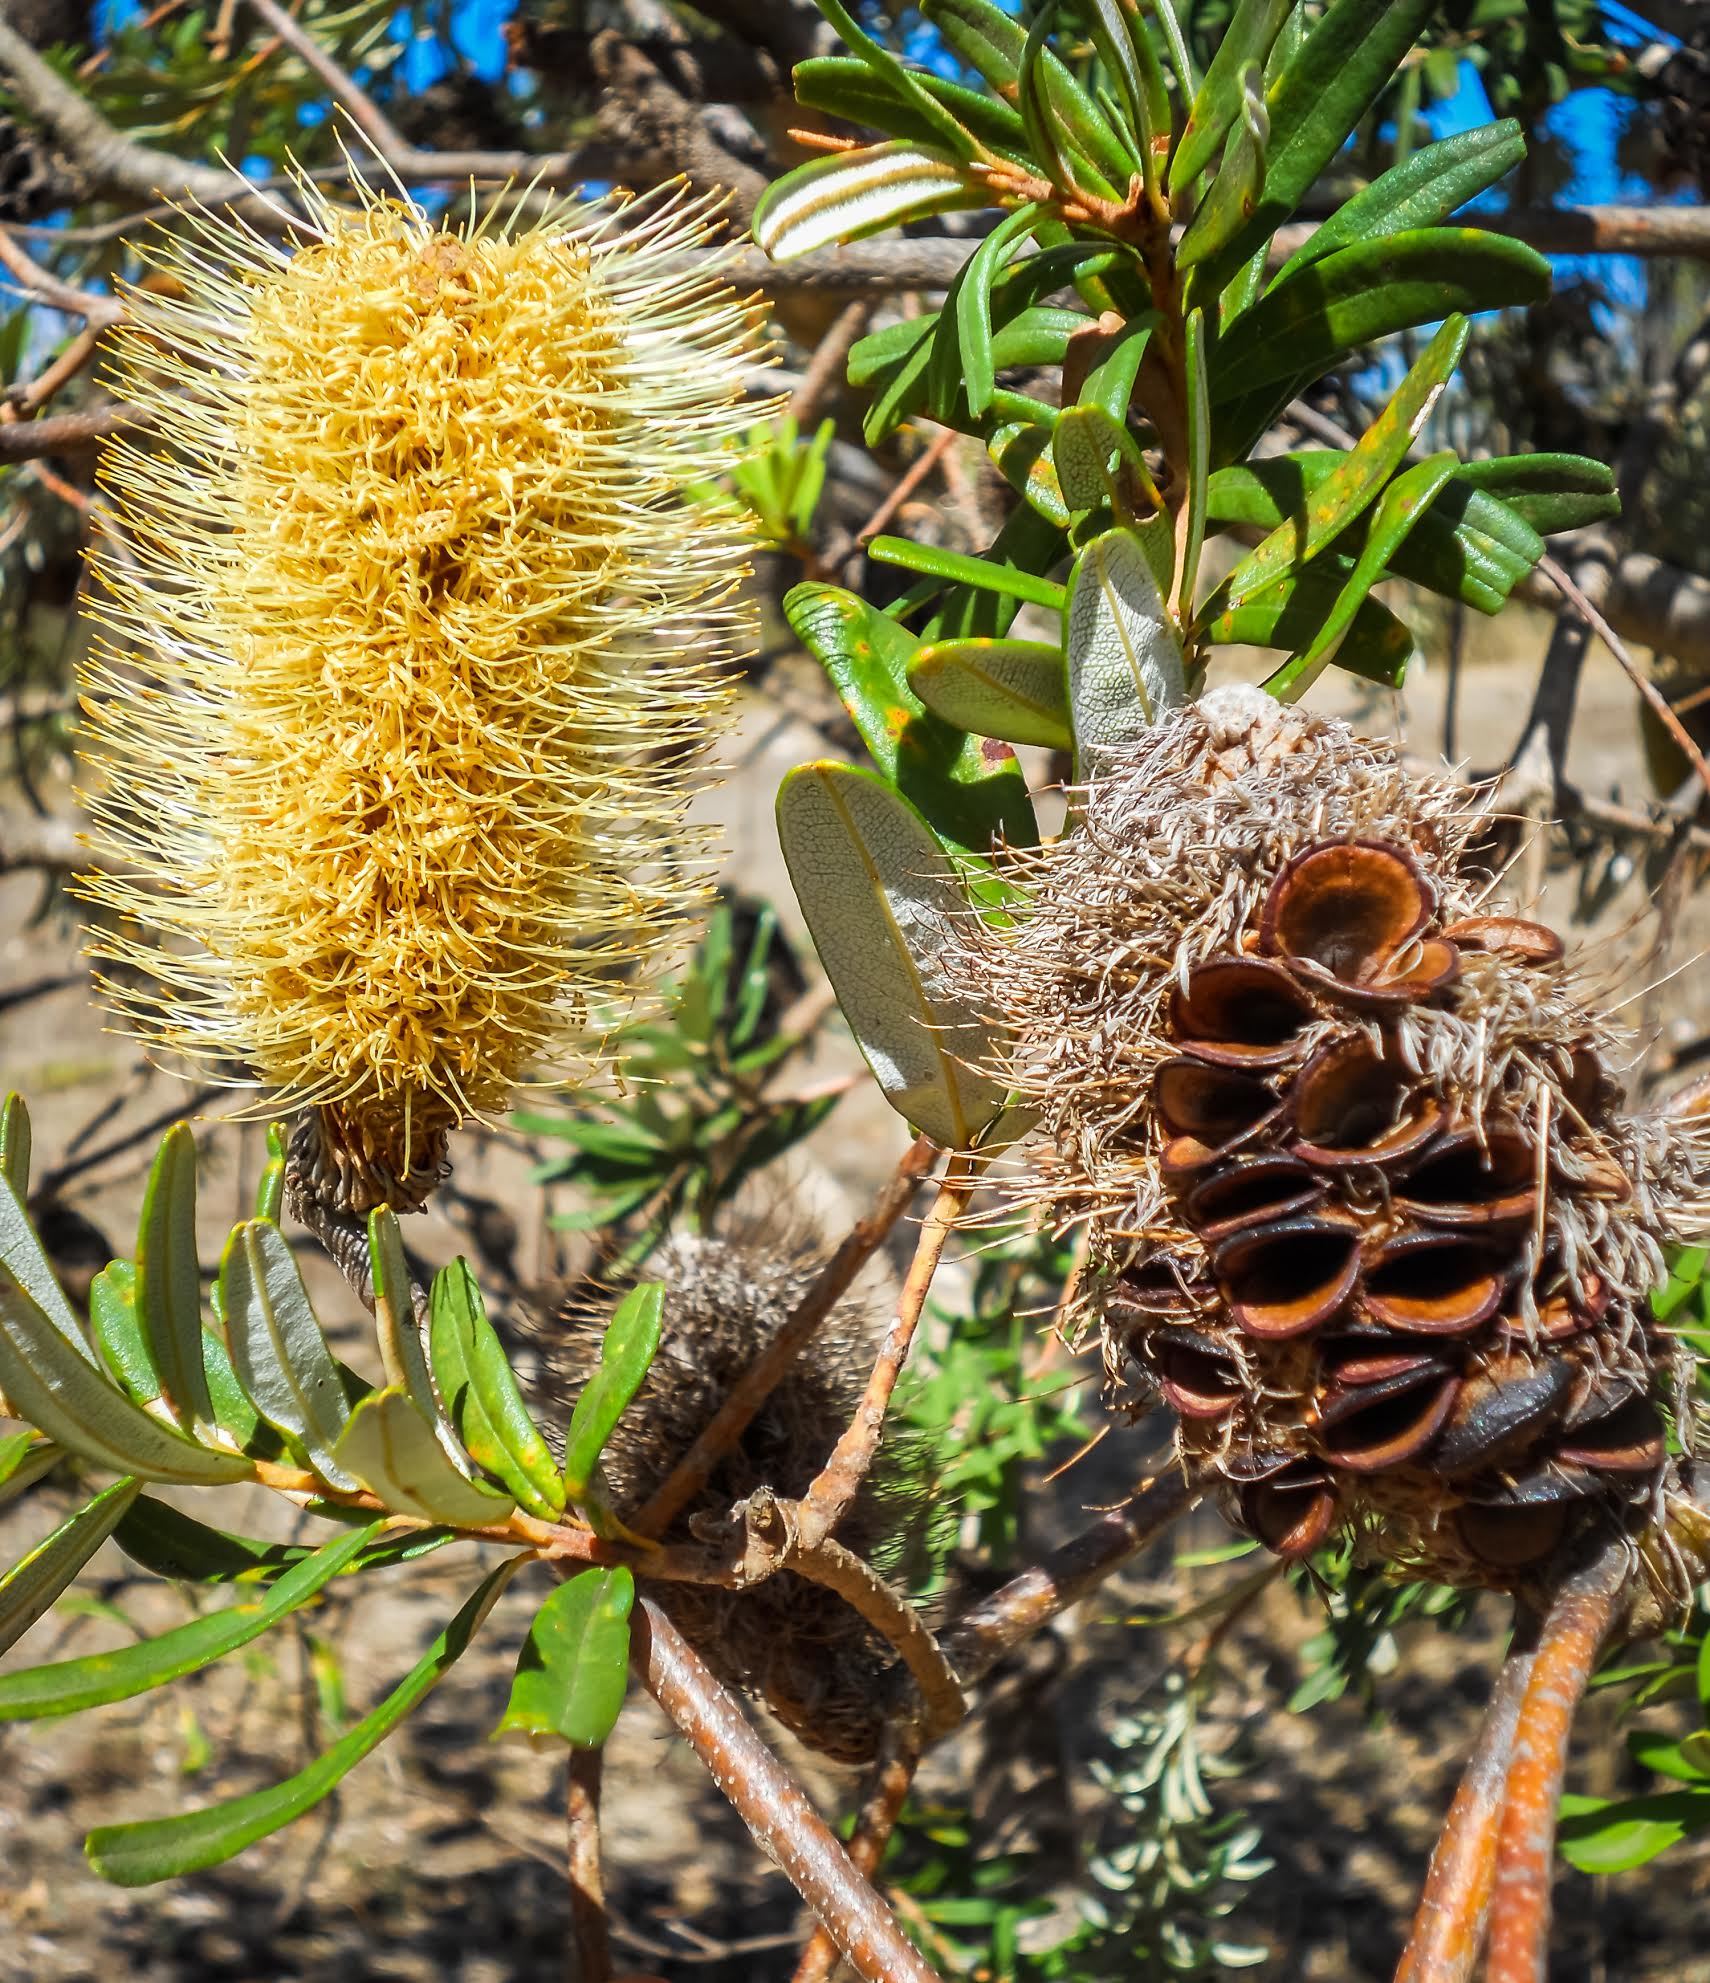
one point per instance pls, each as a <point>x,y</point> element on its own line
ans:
<point>762,1376</point>
<point>900,1747</point>
<point>775,1808</point>
<point>1575,1626</point>
<point>587,1883</point>
<point>1448,1929</point>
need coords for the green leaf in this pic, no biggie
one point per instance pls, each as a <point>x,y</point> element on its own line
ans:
<point>1099,463</point>
<point>1353,484</point>
<point>903,82</point>
<point>22,1256</point>
<point>58,1390</point>
<point>879,894</point>
<point>1132,62</point>
<point>162,1848</point>
<point>958,568</point>
<point>24,1458</point>
<point>1599,1837</point>
<point>846,87</point>
<point>1014,689</point>
<point>1125,670</point>
<point>1248,38</point>
<point>1234,196</point>
<point>1365,292</point>
<point>1024,458</point>
<point>1198,453</point>
<point>849,194</point>
<point>480,1392</point>
<point>69,1686</point>
<point>270,1186</point>
<point>1423,191</point>
<point>403,1355</point>
<point>573,1669</point>
<point>1550,492</point>
<point>29,1588</point>
<point>172,1544</point>
<point>169,1280</point>
<point>117,1329</point>
<point>968,792</point>
<point>627,1351</point>
<point>1352,52</point>
<point>236,1417</point>
<point>1288,614</point>
<point>962,363</point>
<point>1399,509</point>
<point>277,1348</point>
<point>392,1449</point>
<point>1027,543</point>
<point>15,1144</point>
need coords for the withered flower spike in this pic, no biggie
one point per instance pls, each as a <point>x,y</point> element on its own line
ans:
<point>1240,1012</point>
<point>1293,1512</point>
<point>1196,1374</point>
<point>1359,1356</point>
<point>1512,1538</point>
<point>1250,1190</point>
<point>1347,907</point>
<point>1629,1439</point>
<point>1215,1104</point>
<point>1353,1106</point>
<point>1466,1181</point>
<point>1512,937</point>
<point>1291,1277</point>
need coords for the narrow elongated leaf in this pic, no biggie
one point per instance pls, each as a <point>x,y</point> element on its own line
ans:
<point>962,363</point>
<point>960,569</point>
<point>573,1668</point>
<point>1252,29</point>
<point>22,1256</point>
<point>879,894</point>
<point>60,1392</point>
<point>236,1417</point>
<point>1550,492</point>
<point>1353,484</point>
<point>68,1686</point>
<point>30,1587</point>
<point>627,1351</point>
<point>169,1280</point>
<point>1099,462</point>
<point>1399,509</point>
<point>118,1333</point>
<point>1015,689</point>
<point>24,1458</point>
<point>277,1348</point>
<point>15,1144</point>
<point>1027,543</point>
<point>270,1186</point>
<point>968,792</point>
<point>1198,454</point>
<point>481,1394</point>
<point>846,87</point>
<point>1129,58</point>
<point>395,1453</point>
<point>1234,195</point>
<point>403,1355</point>
<point>1614,1837</point>
<point>902,81</point>
<point>854,193</point>
<point>162,1848</point>
<point>1125,668</point>
<point>1024,459</point>
<point>172,1544</point>
<point>1287,615</point>
<point>1422,191</point>
<point>1367,291</point>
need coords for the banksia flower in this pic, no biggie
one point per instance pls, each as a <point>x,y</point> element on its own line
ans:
<point>796,1645</point>
<point>1365,1203</point>
<point>413,638</point>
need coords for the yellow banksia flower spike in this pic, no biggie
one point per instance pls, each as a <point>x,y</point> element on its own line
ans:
<point>412,641</point>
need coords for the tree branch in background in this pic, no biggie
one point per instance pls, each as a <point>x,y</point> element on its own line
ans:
<point>587,1883</point>
<point>68,433</point>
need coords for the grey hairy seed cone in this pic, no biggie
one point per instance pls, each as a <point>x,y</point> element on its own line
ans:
<point>800,1648</point>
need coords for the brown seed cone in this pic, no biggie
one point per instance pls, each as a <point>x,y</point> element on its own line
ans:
<point>796,1645</point>
<point>1364,1200</point>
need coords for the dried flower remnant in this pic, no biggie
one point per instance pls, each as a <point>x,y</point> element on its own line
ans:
<point>1366,1205</point>
<point>413,640</point>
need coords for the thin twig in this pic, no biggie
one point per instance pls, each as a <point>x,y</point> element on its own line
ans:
<point>839,1480</point>
<point>47,287</point>
<point>761,1378</point>
<point>1448,1929</point>
<point>825,367</point>
<point>1652,695</point>
<point>587,1884</point>
<point>775,1808</point>
<point>68,433</point>
<point>901,1744</point>
<point>28,394</point>
<point>54,1181</point>
<point>906,483</point>
<point>1578,1620</point>
<point>980,1637</point>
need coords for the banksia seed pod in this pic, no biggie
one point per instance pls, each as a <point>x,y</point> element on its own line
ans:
<point>1364,1200</point>
<point>413,639</point>
<point>796,1645</point>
